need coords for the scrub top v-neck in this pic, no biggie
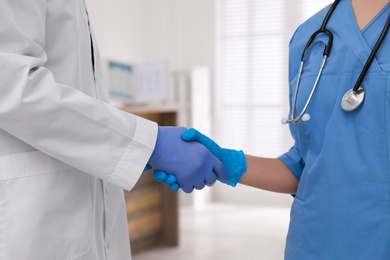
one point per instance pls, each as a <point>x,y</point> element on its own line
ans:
<point>362,41</point>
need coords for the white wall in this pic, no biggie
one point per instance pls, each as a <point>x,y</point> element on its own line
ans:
<point>180,31</point>
<point>120,28</point>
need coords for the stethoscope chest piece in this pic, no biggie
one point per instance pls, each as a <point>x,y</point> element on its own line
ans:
<point>352,99</point>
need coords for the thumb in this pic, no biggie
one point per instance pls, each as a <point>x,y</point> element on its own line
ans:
<point>194,135</point>
<point>190,135</point>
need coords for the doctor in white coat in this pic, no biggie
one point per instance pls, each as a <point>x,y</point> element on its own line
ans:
<point>65,154</point>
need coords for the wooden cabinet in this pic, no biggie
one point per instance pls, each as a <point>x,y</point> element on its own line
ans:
<point>152,208</point>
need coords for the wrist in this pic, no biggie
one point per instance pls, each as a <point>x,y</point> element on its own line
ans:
<point>155,154</point>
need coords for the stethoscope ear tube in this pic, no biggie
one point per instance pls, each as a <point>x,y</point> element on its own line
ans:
<point>328,46</point>
<point>330,43</point>
<point>297,120</point>
<point>303,116</point>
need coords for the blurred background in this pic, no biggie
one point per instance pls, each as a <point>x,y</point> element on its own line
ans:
<point>220,66</point>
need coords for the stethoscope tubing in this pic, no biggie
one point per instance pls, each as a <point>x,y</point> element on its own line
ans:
<point>323,30</point>
<point>372,56</point>
<point>325,54</point>
<point>357,92</point>
<point>300,116</point>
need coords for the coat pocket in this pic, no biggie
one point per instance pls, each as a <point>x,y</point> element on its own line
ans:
<point>45,208</point>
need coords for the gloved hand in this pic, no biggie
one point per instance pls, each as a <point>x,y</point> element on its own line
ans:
<point>191,164</point>
<point>233,160</point>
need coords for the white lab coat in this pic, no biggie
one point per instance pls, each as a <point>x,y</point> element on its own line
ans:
<point>59,139</point>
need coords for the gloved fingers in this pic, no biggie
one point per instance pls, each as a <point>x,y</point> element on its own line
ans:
<point>168,179</point>
<point>221,171</point>
<point>160,175</point>
<point>171,179</point>
<point>175,187</point>
<point>187,188</point>
<point>210,179</point>
<point>199,185</point>
<point>194,135</point>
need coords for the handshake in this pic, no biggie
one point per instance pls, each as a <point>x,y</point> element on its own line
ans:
<point>187,159</point>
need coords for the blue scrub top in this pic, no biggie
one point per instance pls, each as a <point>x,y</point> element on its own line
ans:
<point>341,159</point>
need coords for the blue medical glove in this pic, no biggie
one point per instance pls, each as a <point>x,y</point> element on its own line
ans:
<point>191,164</point>
<point>168,179</point>
<point>234,161</point>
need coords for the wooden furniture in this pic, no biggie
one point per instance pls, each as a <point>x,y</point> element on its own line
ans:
<point>152,208</point>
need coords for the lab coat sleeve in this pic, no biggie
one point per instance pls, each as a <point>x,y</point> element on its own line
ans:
<point>60,120</point>
<point>293,158</point>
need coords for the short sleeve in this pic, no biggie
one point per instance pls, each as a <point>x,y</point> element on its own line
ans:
<point>294,162</point>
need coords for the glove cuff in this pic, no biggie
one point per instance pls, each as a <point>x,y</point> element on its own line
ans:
<point>238,169</point>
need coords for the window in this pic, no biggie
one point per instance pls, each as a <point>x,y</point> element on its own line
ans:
<point>252,63</point>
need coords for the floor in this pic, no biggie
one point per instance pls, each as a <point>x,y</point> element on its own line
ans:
<point>227,232</point>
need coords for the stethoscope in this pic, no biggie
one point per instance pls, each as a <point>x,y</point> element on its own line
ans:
<point>355,96</point>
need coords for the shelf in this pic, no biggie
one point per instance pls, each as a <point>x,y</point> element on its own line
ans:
<point>152,208</point>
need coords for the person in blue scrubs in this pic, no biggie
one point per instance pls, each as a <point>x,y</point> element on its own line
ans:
<point>339,166</point>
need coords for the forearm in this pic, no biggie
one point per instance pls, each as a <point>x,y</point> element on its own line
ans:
<point>48,103</point>
<point>269,174</point>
